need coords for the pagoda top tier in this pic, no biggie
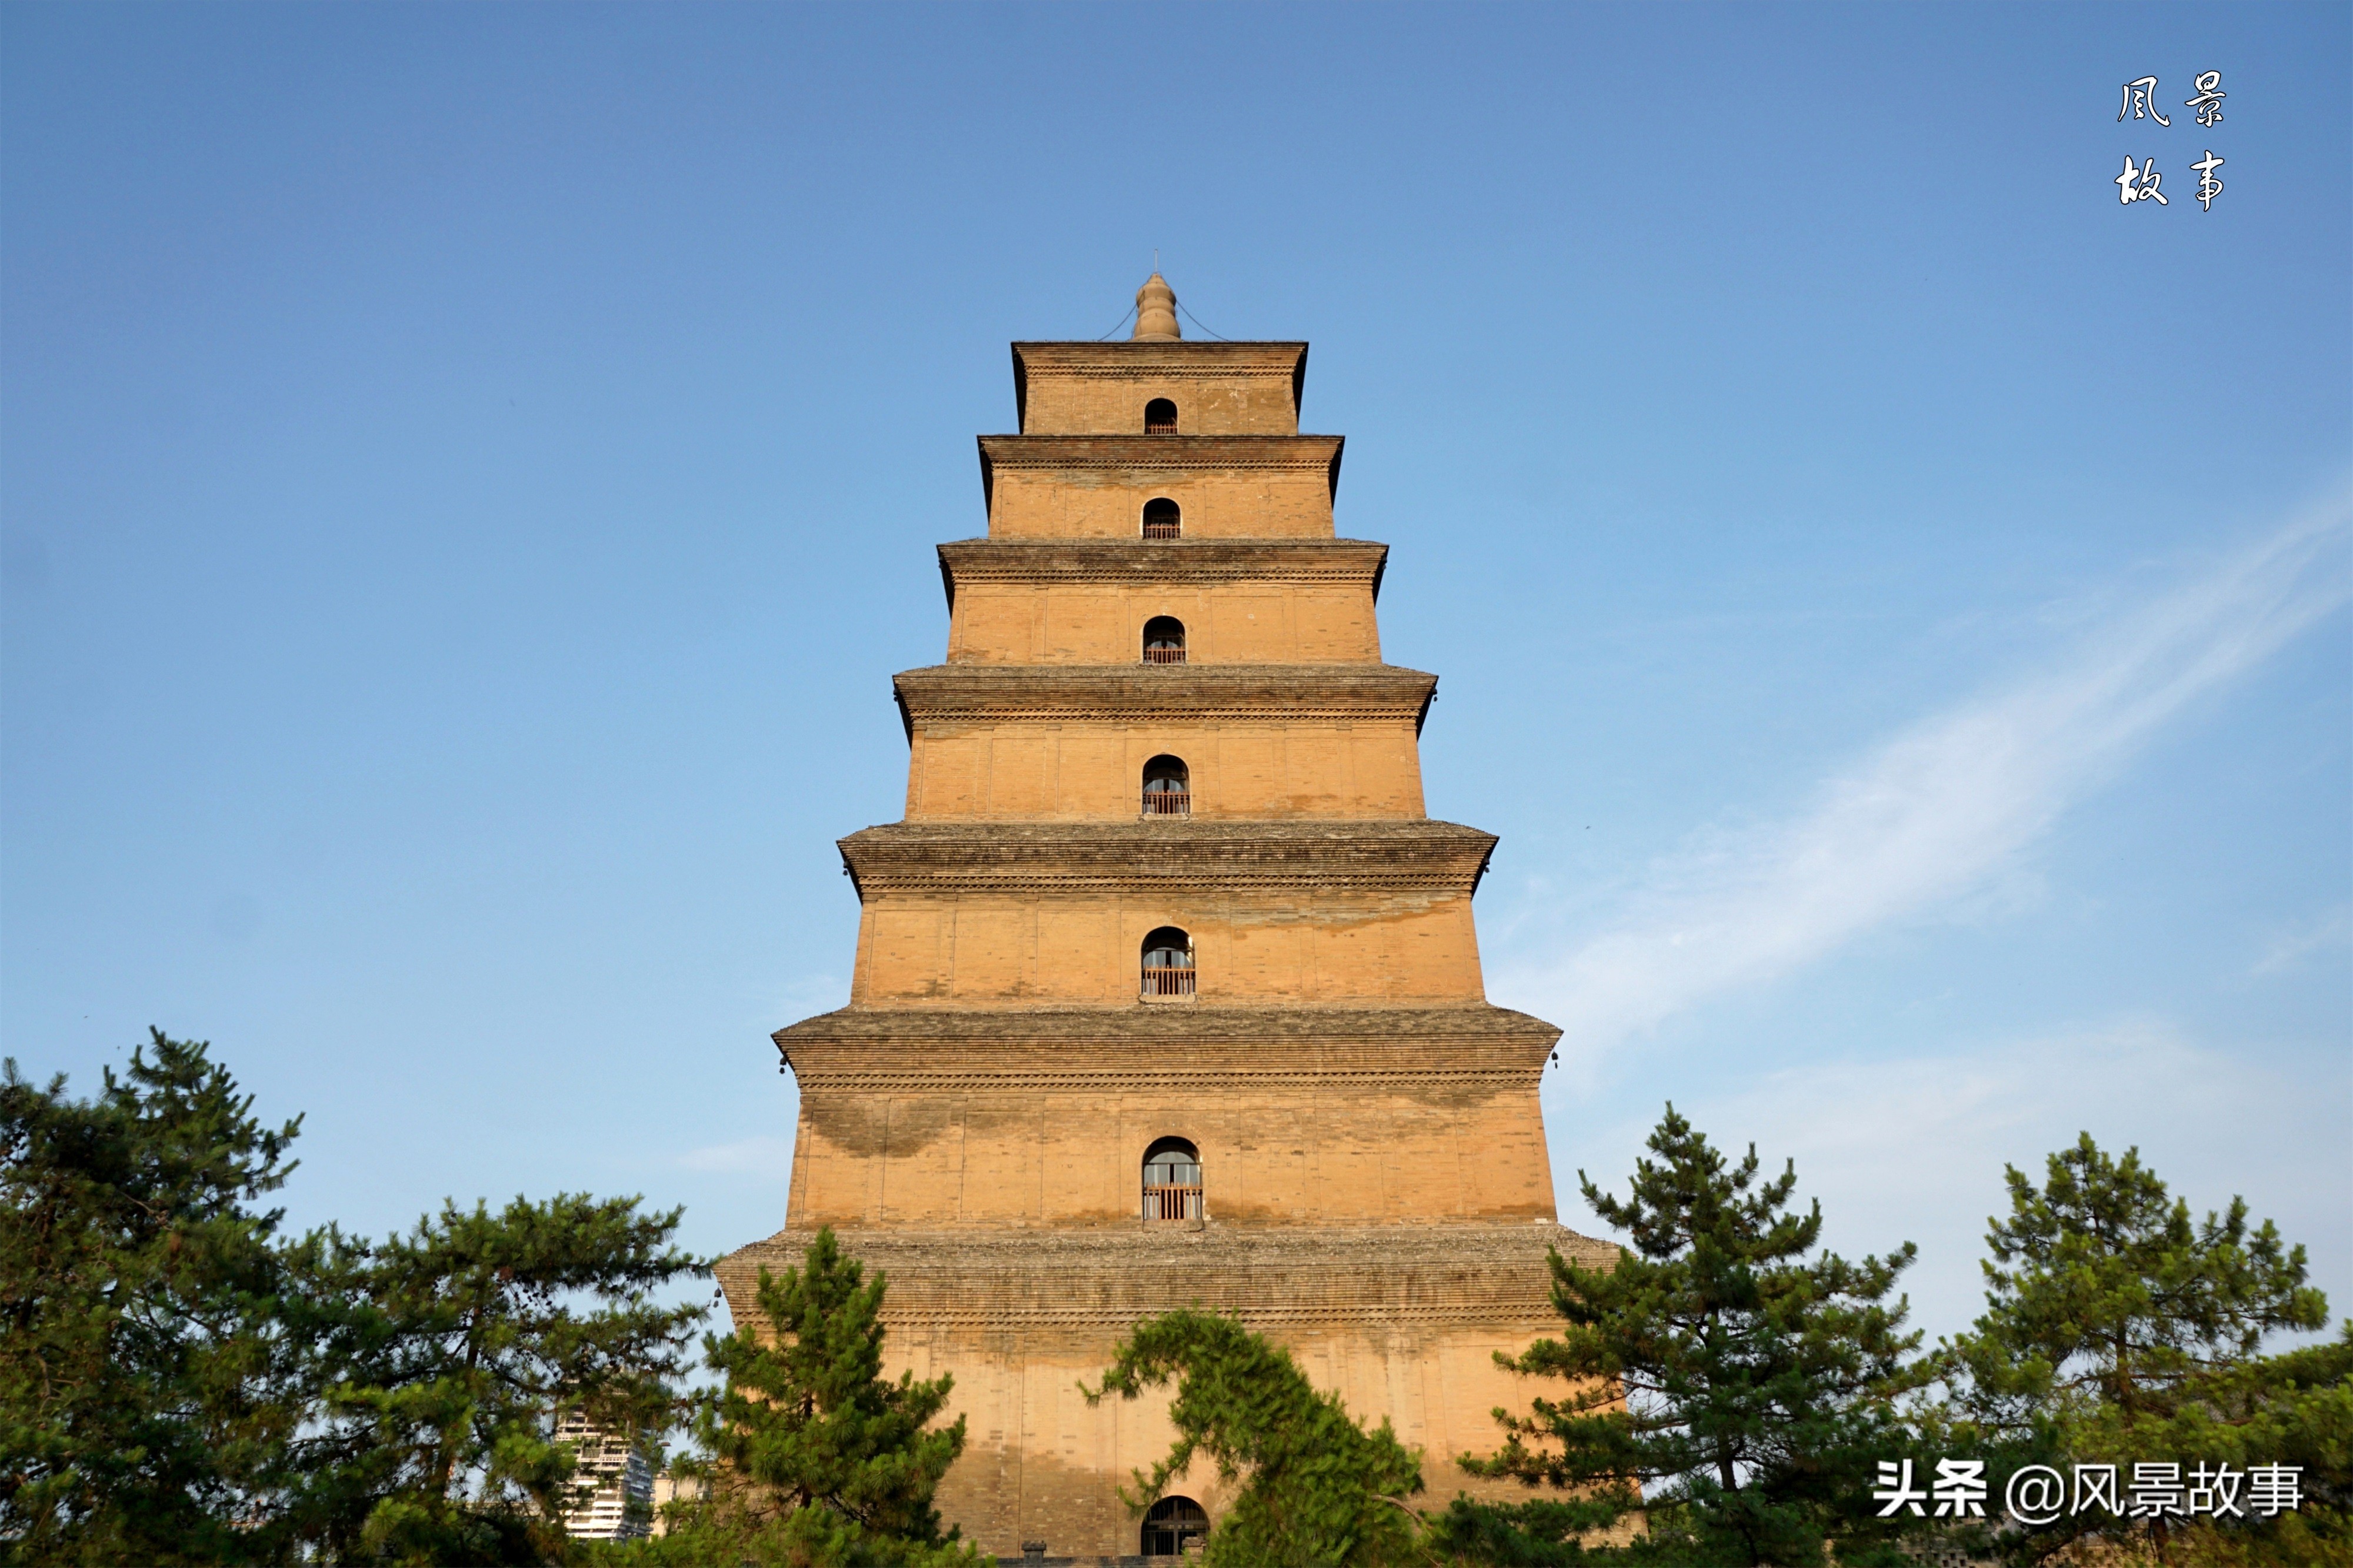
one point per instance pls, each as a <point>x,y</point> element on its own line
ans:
<point>1105,389</point>
<point>1101,388</point>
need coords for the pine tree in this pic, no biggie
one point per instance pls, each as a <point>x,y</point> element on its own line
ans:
<point>178,1385</point>
<point>2294,1408</point>
<point>449,1355</point>
<point>1745,1379</point>
<point>149,1398</point>
<point>818,1461</point>
<point>1317,1489</point>
<point>2118,1329</point>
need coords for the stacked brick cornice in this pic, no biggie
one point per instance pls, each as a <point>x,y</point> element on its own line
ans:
<point>1394,1279</point>
<point>1166,855</point>
<point>1273,693</point>
<point>1170,610</point>
<point>1041,562</point>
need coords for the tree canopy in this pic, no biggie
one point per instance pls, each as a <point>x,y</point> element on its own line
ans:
<point>818,1460</point>
<point>148,1386</point>
<point>449,1356</point>
<point>1724,1378</point>
<point>181,1385</point>
<point>2120,1330</point>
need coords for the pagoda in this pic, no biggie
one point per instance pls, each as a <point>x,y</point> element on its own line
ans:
<point>1167,991</point>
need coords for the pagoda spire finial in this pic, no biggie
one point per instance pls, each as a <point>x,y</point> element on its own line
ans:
<point>1156,312</point>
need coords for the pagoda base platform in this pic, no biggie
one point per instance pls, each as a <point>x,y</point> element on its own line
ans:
<point>1402,1321</point>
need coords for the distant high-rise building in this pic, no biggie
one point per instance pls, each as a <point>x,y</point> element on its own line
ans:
<point>621,1508</point>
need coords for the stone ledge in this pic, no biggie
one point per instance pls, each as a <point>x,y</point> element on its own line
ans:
<point>1072,355</point>
<point>1144,562</point>
<point>1407,1277</point>
<point>1377,1027</point>
<point>1135,693</point>
<point>1134,452</point>
<point>1066,858</point>
<point>1440,1055</point>
<point>1141,459</point>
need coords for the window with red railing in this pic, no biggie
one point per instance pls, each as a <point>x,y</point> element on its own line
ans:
<point>1160,417</point>
<point>1172,1181</point>
<point>1162,519</point>
<point>1164,640</point>
<point>1168,964</point>
<point>1167,788</point>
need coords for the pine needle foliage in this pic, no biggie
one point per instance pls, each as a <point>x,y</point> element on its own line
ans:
<point>180,1386</point>
<point>2120,1330</point>
<point>1742,1378</point>
<point>2103,1294</point>
<point>1317,1489</point>
<point>818,1460</point>
<point>450,1355</point>
<point>147,1392</point>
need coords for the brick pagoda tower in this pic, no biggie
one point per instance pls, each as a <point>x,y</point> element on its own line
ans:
<point>1166,990</point>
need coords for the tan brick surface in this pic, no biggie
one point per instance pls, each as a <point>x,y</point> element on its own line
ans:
<point>1378,1196</point>
<point>1105,500</point>
<point>1401,1322</point>
<point>1270,948</point>
<point>1223,624</point>
<point>1100,389</point>
<point>1050,771</point>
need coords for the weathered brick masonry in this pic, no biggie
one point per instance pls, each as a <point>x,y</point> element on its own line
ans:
<point>1267,973</point>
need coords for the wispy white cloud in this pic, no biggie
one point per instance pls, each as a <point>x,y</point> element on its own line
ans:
<point>2331,932</point>
<point>1939,813</point>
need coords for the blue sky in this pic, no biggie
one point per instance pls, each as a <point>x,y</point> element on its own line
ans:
<point>469,472</point>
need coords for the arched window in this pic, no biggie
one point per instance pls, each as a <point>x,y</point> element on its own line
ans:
<point>1164,640</point>
<point>1173,1521</point>
<point>1168,964</point>
<point>1167,788</point>
<point>1162,519</point>
<point>1160,417</point>
<point>1172,1181</point>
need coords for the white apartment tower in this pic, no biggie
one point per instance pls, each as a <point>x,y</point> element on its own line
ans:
<point>621,1506</point>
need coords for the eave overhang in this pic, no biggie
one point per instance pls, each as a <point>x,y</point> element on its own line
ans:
<point>1046,561</point>
<point>1166,855</point>
<point>1150,459</point>
<point>1413,1278</point>
<point>869,1049</point>
<point>1133,693</point>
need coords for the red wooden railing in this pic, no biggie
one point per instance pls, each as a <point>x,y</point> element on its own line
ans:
<point>1164,656</point>
<point>1168,982</point>
<point>1172,1203</point>
<point>1160,426</point>
<point>1158,529</point>
<point>1167,802</point>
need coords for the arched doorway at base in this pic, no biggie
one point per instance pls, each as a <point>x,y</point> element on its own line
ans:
<point>1173,1521</point>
